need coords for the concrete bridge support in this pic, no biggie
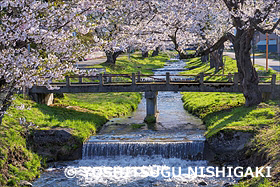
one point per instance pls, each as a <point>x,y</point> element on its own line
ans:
<point>151,106</point>
<point>43,98</point>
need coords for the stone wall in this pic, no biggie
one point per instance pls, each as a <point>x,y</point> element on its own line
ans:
<point>55,145</point>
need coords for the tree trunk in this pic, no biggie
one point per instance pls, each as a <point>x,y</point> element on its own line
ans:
<point>216,59</point>
<point>247,73</point>
<point>145,54</point>
<point>156,52</point>
<point>6,94</point>
<point>176,46</point>
<point>204,58</point>
<point>212,59</point>
<point>112,57</point>
<point>181,55</point>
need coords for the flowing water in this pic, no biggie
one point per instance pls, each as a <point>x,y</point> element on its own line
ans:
<point>168,154</point>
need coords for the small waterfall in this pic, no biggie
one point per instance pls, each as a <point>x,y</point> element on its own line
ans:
<point>192,150</point>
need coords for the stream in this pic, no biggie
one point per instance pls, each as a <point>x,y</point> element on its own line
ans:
<point>122,155</point>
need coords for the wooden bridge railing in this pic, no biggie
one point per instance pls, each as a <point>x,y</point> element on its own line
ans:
<point>137,78</point>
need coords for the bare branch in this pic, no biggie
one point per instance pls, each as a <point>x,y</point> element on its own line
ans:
<point>229,4</point>
<point>269,31</point>
<point>217,45</point>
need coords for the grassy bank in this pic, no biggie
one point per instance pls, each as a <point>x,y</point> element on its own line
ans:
<point>225,112</point>
<point>230,67</point>
<point>84,119</point>
<point>83,114</point>
<point>231,112</point>
<point>135,63</point>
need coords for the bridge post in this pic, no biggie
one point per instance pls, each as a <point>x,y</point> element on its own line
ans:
<point>138,76</point>
<point>229,77</point>
<point>201,78</point>
<point>151,106</point>
<point>80,79</point>
<point>100,79</point>
<point>273,94</point>
<point>67,80</point>
<point>43,98</point>
<point>201,82</point>
<point>105,80</point>
<point>273,79</point>
<point>110,78</point>
<point>235,81</point>
<point>133,79</point>
<point>167,78</point>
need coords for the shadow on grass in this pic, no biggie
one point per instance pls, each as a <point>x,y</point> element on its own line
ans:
<point>197,62</point>
<point>213,76</point>
<point>232,115</point>
<point>139,57</point>
<point>134,66</point>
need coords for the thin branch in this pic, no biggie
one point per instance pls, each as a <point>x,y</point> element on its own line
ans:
<point>151,19</point>
<point>63,25</point>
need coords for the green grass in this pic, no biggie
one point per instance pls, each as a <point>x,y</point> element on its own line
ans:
<point>240,118</point>
<point>230,67</point>
<point>262,72</point>
<point>255,182</point>
<point>107,104</point>
<point>225,111</point>
<point>212,102</point>
<point>137,126</point>
<point>82,122</point>
<point>135,63</point>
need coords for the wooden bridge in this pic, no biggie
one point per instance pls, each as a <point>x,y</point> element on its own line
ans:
<point>151,85</point>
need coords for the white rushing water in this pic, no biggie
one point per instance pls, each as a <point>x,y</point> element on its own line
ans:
<point>167,144</point>
<point>129,171</point>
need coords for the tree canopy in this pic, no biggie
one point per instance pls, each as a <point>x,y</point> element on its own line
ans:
<point>39,43</point>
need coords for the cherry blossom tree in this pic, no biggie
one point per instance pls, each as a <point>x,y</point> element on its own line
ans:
<point>196,26</point>
<point>184,23</point>
<point>37,42</point>
<point>247,17</point>
<point>119,21</point>
<point>213,22</point>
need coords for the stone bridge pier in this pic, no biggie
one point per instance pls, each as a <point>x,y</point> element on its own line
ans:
<point>151,106</point>
<point>43,98</point>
